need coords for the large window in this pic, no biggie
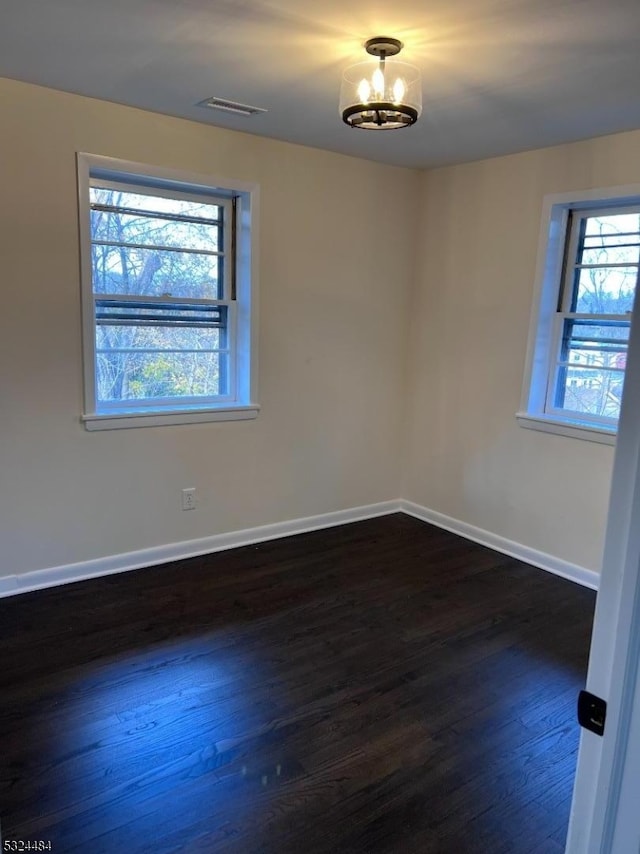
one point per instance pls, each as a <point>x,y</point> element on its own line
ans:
<point>166,296</point>
<point>578,359</point>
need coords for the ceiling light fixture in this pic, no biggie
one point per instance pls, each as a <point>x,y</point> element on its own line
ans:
<point>383,96</point>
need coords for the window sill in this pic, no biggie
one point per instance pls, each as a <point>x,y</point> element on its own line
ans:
<point>566,428</point>
<point>127,420</point>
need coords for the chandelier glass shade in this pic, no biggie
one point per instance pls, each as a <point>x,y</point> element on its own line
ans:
<point>383,94</point>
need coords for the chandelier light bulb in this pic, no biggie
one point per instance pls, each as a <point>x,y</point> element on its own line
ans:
<point>378,83</point>
<point>364,91</point>
<point>398,91</point>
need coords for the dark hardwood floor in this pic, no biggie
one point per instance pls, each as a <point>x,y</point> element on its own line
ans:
<point>379,687</point>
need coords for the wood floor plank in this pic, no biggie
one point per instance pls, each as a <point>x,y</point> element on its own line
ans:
<point>383,686</point>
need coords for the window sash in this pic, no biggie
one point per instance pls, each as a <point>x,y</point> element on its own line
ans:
<point>558,364</point>
<point>575,239</point>
<point>183,401</point>
<point>227,223</point>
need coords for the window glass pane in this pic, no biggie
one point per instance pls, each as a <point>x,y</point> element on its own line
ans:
<point>605,290</point>
<point>159,375</point>
<point>155,272</point>
<point>590,375</point>
<point>155,204</point>
<point>158,338</point>
<point>591,391</point>
<point>611,239</point>
<point>128,228</point>
<point>599,344</point>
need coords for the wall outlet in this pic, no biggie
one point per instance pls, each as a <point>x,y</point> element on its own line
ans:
<point>189,498</point>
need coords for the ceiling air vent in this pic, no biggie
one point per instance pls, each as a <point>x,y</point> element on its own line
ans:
<point>230,106</point>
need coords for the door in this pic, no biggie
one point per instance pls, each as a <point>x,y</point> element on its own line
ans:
<point>605,814</point>
<point>626,821</point>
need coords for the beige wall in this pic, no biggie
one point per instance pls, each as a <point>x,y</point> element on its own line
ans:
<point>466,455</point>
<point>339,385</point>
<point>335,275</point>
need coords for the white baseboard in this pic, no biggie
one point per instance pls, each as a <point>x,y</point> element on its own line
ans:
<point>585,577</point>
<point>41,578</point>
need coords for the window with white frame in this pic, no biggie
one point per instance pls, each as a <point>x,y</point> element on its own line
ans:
<point>579,344</point>
<point>167,281</point>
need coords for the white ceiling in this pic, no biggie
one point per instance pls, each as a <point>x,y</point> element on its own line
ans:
<point>498,75</point>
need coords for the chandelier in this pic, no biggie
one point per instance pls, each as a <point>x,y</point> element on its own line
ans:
<point>383,95</point>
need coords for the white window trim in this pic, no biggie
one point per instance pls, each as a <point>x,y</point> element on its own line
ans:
<point>245,317</point>
<point>564,427</point>
<point>550,257</point>
<point>157,419</point>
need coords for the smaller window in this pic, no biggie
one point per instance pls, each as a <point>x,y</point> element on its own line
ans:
<point>166,298</point>
<point>579,344</point>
